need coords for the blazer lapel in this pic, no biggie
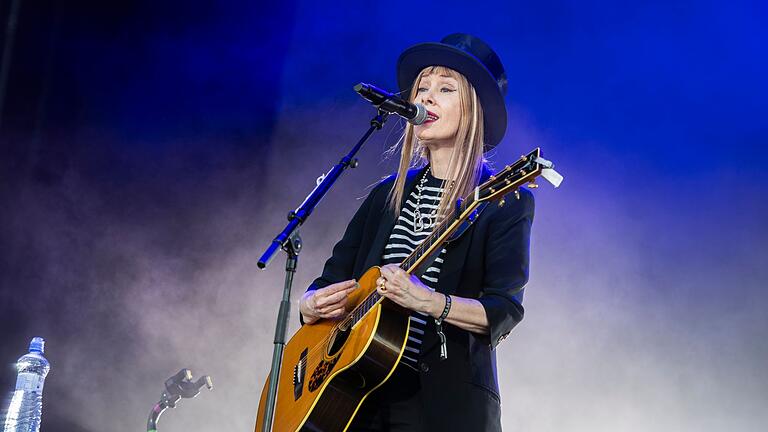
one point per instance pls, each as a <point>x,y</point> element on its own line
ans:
<point>388,222</point>
<point>456,254</point>
<point>457,250</point>
<point>450,272</point>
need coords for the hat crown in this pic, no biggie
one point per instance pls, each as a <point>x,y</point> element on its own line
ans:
<point>477,48</point>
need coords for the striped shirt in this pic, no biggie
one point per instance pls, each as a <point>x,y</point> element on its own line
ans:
<point>404,239</point>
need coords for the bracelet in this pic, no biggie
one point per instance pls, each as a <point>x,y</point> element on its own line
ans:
<point>439,328</point>
<point>446,310</point>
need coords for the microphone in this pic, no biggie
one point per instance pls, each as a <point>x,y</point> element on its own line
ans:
<point>393,104</point>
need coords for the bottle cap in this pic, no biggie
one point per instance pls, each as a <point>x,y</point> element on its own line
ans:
<point>37,345</point>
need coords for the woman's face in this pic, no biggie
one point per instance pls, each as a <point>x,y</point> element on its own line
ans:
<point>439,93</point>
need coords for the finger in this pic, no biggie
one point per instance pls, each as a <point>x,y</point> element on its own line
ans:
<point>392,283</point>
<point>325,302</point>
<point>339,286</point>
<point>329,308</point>
<point>386,290</point>
<point>335,303</point>
<point>333,313</point>
<point>312,301</point>
<point>386,272</point>
<point>393,272</point>
<point>399,274</point>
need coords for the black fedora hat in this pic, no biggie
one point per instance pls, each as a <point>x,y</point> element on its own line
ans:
<point>474,59</point>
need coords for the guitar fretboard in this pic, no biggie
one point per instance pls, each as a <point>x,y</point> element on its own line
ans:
<point>429,244</point>
<point>527,168</point>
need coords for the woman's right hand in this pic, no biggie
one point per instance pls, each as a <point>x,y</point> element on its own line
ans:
<point>328,302</point>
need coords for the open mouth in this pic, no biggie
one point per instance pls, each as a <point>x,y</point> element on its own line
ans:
<point>431,117</point>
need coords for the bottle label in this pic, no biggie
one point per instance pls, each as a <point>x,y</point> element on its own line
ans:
<point>29,382</point>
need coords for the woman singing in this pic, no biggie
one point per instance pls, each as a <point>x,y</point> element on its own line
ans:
<point>475,284</point>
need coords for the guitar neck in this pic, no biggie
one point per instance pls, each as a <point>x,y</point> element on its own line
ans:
<point>525,170</point>
<point>433,243</point>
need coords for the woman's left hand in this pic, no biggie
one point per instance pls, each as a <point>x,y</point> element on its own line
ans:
<point>404,289</point>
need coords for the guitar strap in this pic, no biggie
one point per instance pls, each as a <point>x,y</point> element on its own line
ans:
<point>427,263</point>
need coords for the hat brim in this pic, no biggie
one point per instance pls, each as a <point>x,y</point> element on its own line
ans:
<point>414,59</point>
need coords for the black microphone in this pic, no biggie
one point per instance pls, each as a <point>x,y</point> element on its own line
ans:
<point>393,104</point>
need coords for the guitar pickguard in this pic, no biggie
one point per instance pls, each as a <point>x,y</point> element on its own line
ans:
<point>320,373</point>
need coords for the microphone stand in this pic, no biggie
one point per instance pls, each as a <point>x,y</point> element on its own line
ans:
<point>289,241</point>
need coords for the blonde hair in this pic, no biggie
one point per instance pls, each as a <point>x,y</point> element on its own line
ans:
<point>467,160</point>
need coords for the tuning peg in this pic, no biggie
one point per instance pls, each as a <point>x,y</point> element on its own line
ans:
<point>532,185</point>
<point>517,194</point>
<point>502,202</point>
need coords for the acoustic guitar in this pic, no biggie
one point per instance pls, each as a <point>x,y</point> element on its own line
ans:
<point>331,366</point>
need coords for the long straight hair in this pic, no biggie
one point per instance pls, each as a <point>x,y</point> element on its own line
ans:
<point>466,161</point>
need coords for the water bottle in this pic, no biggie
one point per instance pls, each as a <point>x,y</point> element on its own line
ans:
<point>27,401</point>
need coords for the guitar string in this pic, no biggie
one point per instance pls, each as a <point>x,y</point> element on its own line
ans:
<point>427,243</point>
<point>312,354</point>
<point>417,253</point>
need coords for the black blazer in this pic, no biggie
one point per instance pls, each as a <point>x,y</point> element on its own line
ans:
<point>489,262</point>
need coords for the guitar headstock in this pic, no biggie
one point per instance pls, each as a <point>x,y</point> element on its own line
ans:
<point>524,170</point>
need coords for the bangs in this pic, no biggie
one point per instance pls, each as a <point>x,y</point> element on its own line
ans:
<point>440,70</point>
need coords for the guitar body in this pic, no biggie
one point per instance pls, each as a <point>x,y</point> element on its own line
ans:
<point>327,371</point>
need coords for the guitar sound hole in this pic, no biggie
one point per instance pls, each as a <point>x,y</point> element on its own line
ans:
<point>338,339</point>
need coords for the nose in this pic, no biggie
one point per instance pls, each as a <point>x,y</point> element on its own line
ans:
<point>426,98</point>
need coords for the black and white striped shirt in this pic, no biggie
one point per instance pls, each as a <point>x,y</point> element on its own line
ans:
<point>403,241</point>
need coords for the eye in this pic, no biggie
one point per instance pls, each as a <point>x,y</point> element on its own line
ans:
<point>421,89</point>
<point>447,90</point>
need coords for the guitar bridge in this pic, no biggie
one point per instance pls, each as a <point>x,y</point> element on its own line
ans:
<point>299,372</point>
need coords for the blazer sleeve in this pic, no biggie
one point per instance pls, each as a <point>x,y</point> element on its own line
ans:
<point>340,266</point>
<point>506,260</point>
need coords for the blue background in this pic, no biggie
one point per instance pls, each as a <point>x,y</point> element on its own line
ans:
<point>149,151</point>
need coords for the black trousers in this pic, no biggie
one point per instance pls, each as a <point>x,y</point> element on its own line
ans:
<point>394,407</point>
